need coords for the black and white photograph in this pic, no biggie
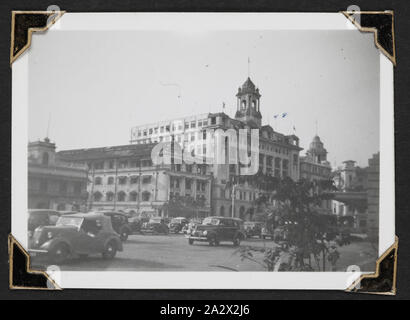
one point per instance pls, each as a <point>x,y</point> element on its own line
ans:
<point>162,148</point>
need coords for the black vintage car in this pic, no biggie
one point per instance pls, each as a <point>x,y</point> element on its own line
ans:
<point>155,225</point>
<point>217,229</point>
<point>177,224</point>
<point>41,217</point>
<point>253,229</point>
<point>120,223</point>
<point>76,235</point>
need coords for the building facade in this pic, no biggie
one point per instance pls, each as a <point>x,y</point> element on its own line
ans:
<point>351,198</point>
<point>315,167</point>
<point>278,153</point>
<point>52,183</point>
<point>125,178</point>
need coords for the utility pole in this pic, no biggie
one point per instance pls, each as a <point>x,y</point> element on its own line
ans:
<point>233,200</point>
<point>91,196</point>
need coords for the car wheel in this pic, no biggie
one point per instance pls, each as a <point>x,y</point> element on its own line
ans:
<point>213,241</point>
<point>236,241</point>
<point>60,253</point>
<point>110,251</point>
<point>191,241</point>
<point>124,235</point>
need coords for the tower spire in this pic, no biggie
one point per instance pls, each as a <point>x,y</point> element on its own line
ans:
<point>249,67</point>
<point>48,125</point>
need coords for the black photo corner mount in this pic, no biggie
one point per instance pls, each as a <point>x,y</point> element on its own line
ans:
<point>383,281</point>
<point>381,23</point>
<point>21,274</point>
<point>24,23</point>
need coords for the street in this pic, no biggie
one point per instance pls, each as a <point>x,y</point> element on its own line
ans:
<point>173,253</point>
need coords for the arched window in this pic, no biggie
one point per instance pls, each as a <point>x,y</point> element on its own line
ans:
<point>110,180</point>
<point>254,104</point>
<point>222,211</point>
<point>110,196</point>
<point>98,180</point>
<point>146,195</point>
<point>122,180</point>
<point>45,158</point>
<point>97,196</point>
<point>243,104</point>
<point>134,196</point>
<point>242,212</point>
<point>121,196</point>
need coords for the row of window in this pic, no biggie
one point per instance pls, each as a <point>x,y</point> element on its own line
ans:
<point>123,180</point>
<point>273,162</point>
<point>63,187</point>
<point>122,196</point>
<point>239,195</point>
<point>121,164</point>
<point>176,183</point>
<point>179,126</point>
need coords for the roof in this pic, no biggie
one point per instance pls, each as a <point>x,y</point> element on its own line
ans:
<point>248,84</point>
<point>130,150</point>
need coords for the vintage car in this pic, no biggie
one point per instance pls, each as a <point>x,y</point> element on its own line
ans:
<point>217,229</point>
<point>155,225</point>
<point>267,232</point>
<point>41,217</point>
<point>136,223</point>
<point>191,225</point>
<point>177,224</point>
<point>120,223</point>
<point>253,228</point>
<point>76,235</point>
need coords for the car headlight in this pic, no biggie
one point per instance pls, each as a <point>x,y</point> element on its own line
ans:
<point>205,233</point>
<point>50,235</point>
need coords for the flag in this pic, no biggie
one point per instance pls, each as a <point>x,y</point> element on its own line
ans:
<point>223,105</point>
<point>284,114</point>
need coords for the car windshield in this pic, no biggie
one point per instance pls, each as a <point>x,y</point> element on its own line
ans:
<point>70,221</point>
<point>176,221</point>
<point>211,221</point>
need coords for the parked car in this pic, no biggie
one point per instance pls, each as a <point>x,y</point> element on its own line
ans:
<point>217,229</point>
<point>155,225</point>
<point>267,232</point>
<point>253,228</point>
<point>177,224</point>
<point>41,217</point>
<point>136,223</point>
<point>190,226</point>
<point>120,223</point>
<point>76,235</point>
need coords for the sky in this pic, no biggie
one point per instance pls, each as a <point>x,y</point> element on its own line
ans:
<point>88,88</point>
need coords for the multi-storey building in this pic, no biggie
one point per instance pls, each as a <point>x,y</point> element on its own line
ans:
<point>314,167</point>
<point>351,198</point>
<point>125,178</point>
<point>54,184</point>
<point>278,153</point>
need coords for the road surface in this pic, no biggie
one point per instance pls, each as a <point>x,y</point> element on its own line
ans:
<point>173,253</point>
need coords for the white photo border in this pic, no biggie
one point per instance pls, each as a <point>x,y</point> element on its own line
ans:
<point>202,280</point>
